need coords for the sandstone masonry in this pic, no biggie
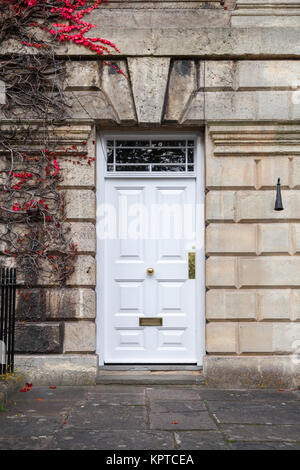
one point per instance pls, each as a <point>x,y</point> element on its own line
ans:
<point>232,72</point>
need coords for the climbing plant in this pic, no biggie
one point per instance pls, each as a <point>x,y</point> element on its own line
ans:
<point>34,231</point>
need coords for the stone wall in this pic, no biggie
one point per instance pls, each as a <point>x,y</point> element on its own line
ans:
<point>222,70</point>
<point>252,269</point>
<point>62,321</point>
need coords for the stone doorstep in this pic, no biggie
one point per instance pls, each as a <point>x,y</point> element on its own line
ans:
<point>123,377</point>
<point>8,386</point>
<point>164,368</point>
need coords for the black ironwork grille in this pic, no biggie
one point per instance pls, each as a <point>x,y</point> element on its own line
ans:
<point>7,319</point>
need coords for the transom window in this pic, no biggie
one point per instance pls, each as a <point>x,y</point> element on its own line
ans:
<point>150,155</point>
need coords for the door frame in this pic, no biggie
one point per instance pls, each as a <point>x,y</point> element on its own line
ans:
<point>101,176</point>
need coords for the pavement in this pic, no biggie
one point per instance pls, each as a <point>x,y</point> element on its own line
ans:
<point>135,417</point>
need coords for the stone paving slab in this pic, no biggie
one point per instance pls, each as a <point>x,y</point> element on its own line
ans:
<point>72,439</point>
<point>108,417</point>
<point>118,389</point>
<point>240,432</point>
<point>117,398</point>
<point>177,406</point>
<point>28,443</point>
<point>256,413</point>
<point>46,393</point>
<point>176,420</point>
<point>128,417</point>
<point>265,446</point>
<point>179,394</point>
<point>43,408</point>
<point>20,426</point>
<point>200,440</point>
<point>8,385</point>
<point>249,395</point>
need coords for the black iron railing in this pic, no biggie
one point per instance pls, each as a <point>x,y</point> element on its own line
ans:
<point>7,319</point>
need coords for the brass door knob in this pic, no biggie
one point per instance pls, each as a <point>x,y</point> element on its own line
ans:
<point>150,271</point>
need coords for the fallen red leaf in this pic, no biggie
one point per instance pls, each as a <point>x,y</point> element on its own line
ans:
<point>174,422</point>
<point>52,387</point>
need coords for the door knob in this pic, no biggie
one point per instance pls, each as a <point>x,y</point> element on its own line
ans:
<point>150,271</point>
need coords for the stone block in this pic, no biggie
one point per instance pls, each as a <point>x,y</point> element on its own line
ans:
<point>82,75</point>
<point>269,271</point>
<point>149,76</point>
<point>80,204</point>
<point>241,105</point>
<point>295,172</point>
<point>59,369</point>
<point>230,304</point>
<point>269,169</point>
<point>71,303</point>
<point>274,238</point>
<point>231,238</point>
<point>274,304</point>
<point>59,304</point>
<point>31,305</point>
<point>272,105</point>
<point>173,38</point>
<point>257,205</point>
<point>230,172</point>
<point>267,14</point>
<point>218,74</point>
<point>74,174</point>
<point>220,205</point>
<point>221,337</point>
<point>182,84</point>
<point>90,105</point>
<point>238,372</point>
<point>226,106</point>
<point>295,230</point>
<point>35,338</point>
<point>267,73</point>
<point>296,304</point>
<point>85,272</point>
<point>231,105</point>
<point>255,337</point>
<point>80,337</point>
<point>221,271</point>
<point>194,113</point>
<point>118,90</point>
<point>84,235</point>
<point>286,339</point>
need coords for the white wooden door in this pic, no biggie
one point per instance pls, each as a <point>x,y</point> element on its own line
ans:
<point>153,227</point>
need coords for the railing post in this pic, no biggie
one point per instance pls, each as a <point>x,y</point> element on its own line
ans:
<point>2,322</point>
<point>7,319</point>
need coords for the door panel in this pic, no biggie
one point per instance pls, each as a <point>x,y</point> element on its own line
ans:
<point>155,221</point>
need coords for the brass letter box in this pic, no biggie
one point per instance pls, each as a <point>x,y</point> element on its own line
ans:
<point>151,321</point>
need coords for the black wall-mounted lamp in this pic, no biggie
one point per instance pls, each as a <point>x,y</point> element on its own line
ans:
<point>278,202</point>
